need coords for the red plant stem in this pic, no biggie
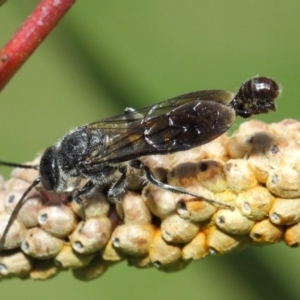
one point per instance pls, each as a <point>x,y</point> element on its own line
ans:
<point>29,36</point>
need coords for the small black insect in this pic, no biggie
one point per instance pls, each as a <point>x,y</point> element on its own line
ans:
<point>99,151</point>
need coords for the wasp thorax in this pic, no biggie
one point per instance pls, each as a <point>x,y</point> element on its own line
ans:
<point>74,148</point>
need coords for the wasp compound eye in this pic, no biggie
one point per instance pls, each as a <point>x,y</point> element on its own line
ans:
<point>49,171</point>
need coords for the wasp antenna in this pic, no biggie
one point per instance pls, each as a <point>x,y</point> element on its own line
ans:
<point>9,164</point>
<point>15,212</point>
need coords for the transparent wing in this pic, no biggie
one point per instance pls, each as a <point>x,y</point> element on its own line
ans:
<point>175,124</point>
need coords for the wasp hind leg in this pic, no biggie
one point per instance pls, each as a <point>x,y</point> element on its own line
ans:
<point>137,164</point>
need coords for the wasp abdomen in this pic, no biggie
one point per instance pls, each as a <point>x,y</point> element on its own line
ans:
<point>256,96</point>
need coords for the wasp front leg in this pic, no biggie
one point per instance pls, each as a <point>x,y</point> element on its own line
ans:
<point>86,190</point>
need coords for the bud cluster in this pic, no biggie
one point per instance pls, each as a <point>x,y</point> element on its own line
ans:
<point>256,171</point>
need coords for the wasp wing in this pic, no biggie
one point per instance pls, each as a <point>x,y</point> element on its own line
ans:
<point>172,125</point>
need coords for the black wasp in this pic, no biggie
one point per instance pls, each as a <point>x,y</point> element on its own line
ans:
<point>100,151</point>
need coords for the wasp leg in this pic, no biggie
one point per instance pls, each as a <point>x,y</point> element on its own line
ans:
<point>129,113</point>
<point>84,191</point>
<point>129,110</point>
<point>118,187</point>
<point>137,164</point>
<point>132,114</point>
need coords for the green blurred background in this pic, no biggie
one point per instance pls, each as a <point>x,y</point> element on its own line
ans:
<point>106,55</point>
